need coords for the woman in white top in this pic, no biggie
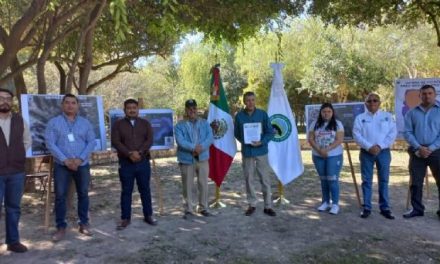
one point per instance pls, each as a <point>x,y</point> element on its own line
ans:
<point>325,136</point>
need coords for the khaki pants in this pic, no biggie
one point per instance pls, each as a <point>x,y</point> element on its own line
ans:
<point>260,165</point>
<point>188,171</point>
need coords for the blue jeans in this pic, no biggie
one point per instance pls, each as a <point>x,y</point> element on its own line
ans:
<point>328,170</point>
<point>382,161</point>
<point>128,173</point>
<point>62,178</point>
<point>11,191</point>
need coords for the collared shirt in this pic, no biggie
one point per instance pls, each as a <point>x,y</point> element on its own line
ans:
<point>422,128</point>
<point>374,129</point>
<point>325,138</point>
<point>257,116</point>
<point>5,125</point>
<point>70,139</point>
<point>188,135</point>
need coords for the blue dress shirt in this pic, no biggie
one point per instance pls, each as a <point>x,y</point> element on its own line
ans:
<point>422,128</point>
<point>61,146</point>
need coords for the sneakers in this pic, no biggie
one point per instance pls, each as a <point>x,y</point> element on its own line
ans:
<point>17,247</point>
<point>59,234</point>
<point>334,210</point>
<point>324,207</point>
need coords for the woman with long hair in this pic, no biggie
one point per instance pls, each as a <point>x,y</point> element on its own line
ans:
<point>325,136</point>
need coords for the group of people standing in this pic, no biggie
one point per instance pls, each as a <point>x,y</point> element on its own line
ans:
<point>70,139</point>
<point>375,132</point>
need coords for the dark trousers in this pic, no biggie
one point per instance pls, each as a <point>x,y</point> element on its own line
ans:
<point>11,191</point>
<point>417,171</point>
<point>128,173</point>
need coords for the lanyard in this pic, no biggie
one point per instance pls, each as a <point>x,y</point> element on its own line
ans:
<point>70,125</point>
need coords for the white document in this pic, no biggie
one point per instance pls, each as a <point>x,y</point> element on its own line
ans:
<point>252,132</point>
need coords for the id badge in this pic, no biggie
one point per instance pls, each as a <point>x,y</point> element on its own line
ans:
<point>71,137</point>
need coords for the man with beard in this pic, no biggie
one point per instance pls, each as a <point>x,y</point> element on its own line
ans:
<point>132,137</point>
<point>14,140</point>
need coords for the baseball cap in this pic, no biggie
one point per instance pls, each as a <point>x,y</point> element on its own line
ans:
<point>190,103</point>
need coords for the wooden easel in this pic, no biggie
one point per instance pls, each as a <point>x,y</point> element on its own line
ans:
<point>157,182</point>
<point>47,200</point>
<point>353,175</point>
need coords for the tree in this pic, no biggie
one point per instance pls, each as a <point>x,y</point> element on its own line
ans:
<point>67,32</point>
<point>408,13</point>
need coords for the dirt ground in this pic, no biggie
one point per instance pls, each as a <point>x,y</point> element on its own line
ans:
<point>298,234</point>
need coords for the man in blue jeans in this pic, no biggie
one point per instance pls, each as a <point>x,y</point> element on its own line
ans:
<point>70,139</point>
<point>132,137</point>
<point>14,140</point>
<point>375,132</point>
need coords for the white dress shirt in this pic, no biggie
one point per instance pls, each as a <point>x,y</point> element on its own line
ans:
<point>374,129</point>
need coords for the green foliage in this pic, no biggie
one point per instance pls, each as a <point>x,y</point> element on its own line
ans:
<point>118,10</point>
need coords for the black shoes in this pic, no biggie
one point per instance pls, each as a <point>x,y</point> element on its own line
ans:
<point>150,220</point>
<point>438,213</point>
<point>205,213</point>
<point>412,213</point>
<point>269,211</point>
<point>387,214</point>
<point>123,224</point>
<point>249,211</point>
<point>365,213</point>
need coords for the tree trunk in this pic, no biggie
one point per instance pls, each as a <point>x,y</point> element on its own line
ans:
<point>88,62</point>
<point>93,17</point>
<point>63,77</point>
<point>20,34</point>
<point>20,84</point>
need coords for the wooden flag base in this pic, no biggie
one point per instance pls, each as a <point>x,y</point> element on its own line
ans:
<point>281,200</point>
<point>217,204</point>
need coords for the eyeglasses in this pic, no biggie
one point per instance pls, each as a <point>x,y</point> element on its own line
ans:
<point>372,101</point>
<point>5,99</point>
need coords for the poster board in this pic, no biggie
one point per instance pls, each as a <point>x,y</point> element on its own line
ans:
<point>161,121</point>
<point>345,112</point>
<point>406,94</point>
<point>38,109</point>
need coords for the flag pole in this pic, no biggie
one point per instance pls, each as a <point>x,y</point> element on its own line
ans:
<point>217,203</point>
<point>281,200</point>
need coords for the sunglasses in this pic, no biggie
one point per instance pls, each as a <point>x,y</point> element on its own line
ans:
<point>372,101</point>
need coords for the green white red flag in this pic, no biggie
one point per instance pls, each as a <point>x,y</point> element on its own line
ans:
<point>222,151</point>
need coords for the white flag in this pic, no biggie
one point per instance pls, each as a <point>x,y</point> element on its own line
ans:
<point>284,149</point>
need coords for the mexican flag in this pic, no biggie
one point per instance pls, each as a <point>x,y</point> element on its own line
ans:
<point>222,151</point>
<point>284,149</point>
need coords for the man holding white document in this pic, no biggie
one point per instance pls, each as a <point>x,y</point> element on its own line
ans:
<point>254,131</point>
